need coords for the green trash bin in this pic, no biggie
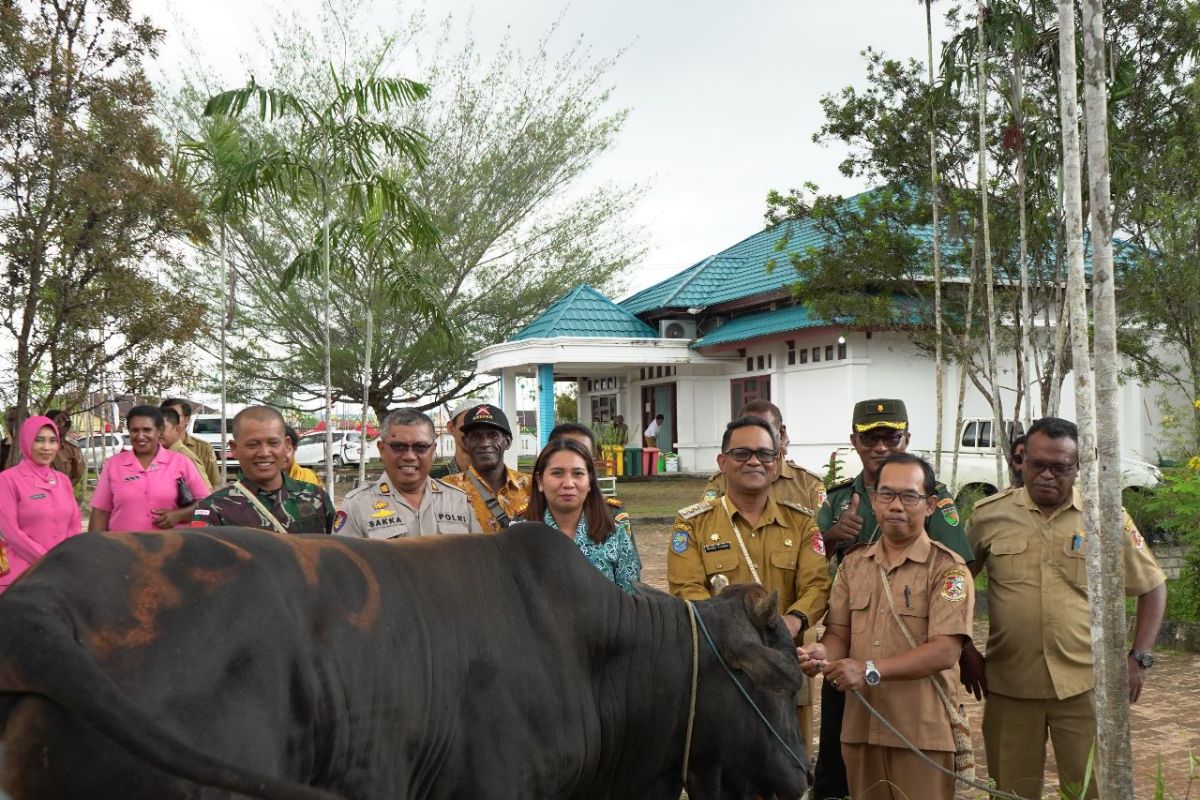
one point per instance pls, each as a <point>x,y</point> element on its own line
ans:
<point>633,461</point>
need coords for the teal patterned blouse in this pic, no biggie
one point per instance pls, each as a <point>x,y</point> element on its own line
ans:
<point>615,557</point>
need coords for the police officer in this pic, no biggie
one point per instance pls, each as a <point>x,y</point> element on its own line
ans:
<point>405,501</point>
<point>899,615</point>
<point>879,428</point>
<point>498,495</point>
<point>747,536</point>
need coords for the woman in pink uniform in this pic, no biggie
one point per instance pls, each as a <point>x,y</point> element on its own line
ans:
<point>148,487</point>
<point>37,504</point>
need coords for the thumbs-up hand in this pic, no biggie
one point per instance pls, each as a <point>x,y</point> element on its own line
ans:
<point>847,527</point>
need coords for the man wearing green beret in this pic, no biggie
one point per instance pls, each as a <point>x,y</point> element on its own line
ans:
<point>879,428</point>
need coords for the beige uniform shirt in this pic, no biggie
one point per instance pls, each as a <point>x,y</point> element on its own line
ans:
<point>378,511</point>
<point>513,496</point>
<point>183,450</point>
<point>934,596</point>
<point>208,459</point>
<point>69,461</point>
<point>1039,645</point>
<point>789,482</point>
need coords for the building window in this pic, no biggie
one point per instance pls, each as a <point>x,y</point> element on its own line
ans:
<point>829,352</point>
<point>841,351</point>
<point>816,354</point>
<point>750,364</point>
<point>743,390</point>
<point>791,352</point>
<point>804,356</point>
<point>762,363</point>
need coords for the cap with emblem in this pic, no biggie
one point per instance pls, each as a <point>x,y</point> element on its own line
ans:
<point>485,414</point>
<point>880,414</point>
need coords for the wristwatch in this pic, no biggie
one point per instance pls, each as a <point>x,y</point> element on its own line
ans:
<point>1144,659</point>
<point>800,615</point>
<point>872,676</point>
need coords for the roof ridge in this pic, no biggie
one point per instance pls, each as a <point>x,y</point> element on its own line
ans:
<point>696,272</point>
<point>565,301</point>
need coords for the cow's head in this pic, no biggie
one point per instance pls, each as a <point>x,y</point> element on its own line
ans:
<point>736,756</point>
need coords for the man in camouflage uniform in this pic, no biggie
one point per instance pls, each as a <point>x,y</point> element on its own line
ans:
<point>879,428</point>
<point>499,495</point>
<point>260,445</point>
<point>405,501</point>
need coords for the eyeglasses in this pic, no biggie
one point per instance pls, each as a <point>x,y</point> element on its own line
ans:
<point>909,499</point>
<point>872,438</point>
<point>1057,468</point>
<point>399,448</point>
<point>743,454</point>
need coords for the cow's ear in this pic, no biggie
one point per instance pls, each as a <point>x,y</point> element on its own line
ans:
<point>767,667</point>
<point>762,608</point>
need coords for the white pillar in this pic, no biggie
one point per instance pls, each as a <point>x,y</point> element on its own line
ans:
<point>508,404</point>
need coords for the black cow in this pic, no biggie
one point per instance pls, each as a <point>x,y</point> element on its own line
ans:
<point>205,663</point>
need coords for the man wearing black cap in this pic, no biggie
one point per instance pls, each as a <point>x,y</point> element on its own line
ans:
<point>879,428</point>
<point>498,494</point>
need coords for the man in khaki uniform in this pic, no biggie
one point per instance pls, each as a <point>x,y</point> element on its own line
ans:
<point>499,495</point>
<point>405,501</point>
<point>69,460</point>
<point>791,482</point>
<point>865,649</point>
<point>172,437</point>
<point>1039,653</point>
<point>203,450</point>
<point>747,536</point>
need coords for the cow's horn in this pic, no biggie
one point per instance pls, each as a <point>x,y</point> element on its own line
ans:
<point>763,608</point>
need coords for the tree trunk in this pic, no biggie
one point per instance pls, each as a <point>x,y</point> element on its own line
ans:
<point>325,303</point>
<point>939,357</point>
<point>1105,585</point>
<point>988,272</point>
<point>366,380</point>
<point>224,333</point>
<point>964,363</point>
<point>1025,325</point>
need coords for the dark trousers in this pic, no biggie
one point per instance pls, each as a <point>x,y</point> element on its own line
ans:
<point>830,779</point>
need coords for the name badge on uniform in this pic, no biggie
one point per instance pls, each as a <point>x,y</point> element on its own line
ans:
<point>712,548</point>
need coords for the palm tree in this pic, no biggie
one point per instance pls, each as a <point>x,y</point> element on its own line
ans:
<point>337,155</point>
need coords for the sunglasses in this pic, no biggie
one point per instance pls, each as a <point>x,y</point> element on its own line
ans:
<point>1057,468</point>
<point>872,438</point>
<point>399,448</point>
<point>743,454</point>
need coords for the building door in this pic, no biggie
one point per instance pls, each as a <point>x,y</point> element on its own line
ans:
<point>660,399</point>
<point>743,390</point>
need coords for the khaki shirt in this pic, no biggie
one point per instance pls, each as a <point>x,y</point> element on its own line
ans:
<point>179,447</point>
<point>703,546</point>
<point>934,596</point>
<point>69,461</point>
<point>378,511</point>
<point>513,496</point>
<point>1039,645</point>
<point>204,451</point>
<point>789,482</point>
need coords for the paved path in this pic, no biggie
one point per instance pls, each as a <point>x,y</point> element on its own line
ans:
<point>1166,722</point>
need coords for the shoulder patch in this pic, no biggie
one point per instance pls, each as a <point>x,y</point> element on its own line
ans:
<point>695,510</point>
<point>679,540</point>
<point>949,511</point>
<point>818,542</point>
<point>339,521</point>
<point>954,584</point>
<point>792,504</point>
<point>1134,533</point>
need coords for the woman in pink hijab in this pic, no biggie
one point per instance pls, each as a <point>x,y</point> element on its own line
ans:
<point>37,504</point>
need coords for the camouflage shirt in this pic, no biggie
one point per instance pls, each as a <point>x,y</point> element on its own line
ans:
<point>300,507</point>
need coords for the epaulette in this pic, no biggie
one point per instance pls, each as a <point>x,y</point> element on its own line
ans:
<point>447,487</point>
<point>358,490</point>
<point>695,510</point>
<point>852,548</point>
<point>842,484</point>
<point>983,501</point>
<point>958,559</point>
<point>614,502</point>
<point>805,510</point>
<point>807,472</point>
<point>714,476</point>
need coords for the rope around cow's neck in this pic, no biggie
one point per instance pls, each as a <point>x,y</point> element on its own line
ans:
<point>691,719</point>
<point>698,620</point>
<point>983,787</point>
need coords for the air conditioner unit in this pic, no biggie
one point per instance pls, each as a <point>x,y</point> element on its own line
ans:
<point>677,328</point>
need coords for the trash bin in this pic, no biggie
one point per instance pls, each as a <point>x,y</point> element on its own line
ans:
<point>619,456</point>
<point>633,461</point>
<point>672,462</point>
<point>650,461</point>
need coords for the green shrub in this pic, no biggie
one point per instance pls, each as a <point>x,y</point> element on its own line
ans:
<point>1176,507</point>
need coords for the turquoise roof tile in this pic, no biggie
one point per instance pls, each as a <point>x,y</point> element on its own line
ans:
<point>764,323</point>
<point>583,311</point>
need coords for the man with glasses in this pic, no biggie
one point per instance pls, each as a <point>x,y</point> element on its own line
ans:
<point>878,429</point>
<point>405,501</point>
<point>749,536</point>
<point>1039,676</point>
<point>899,615</point>
<point>498,495</point>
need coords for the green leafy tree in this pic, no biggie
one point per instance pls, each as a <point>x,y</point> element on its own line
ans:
<point>92,206</point>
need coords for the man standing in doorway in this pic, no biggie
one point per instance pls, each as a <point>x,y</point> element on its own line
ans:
<point>1039,673</point>
<point>878,429</point>
<point>499,495</point>
<point>202,449</point>
<point>650,435</point>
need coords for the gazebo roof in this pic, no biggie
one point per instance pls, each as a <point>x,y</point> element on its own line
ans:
<point>583,311</point>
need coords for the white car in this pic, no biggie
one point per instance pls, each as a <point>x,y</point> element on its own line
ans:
<point>98,447</point>
<point>347,448</point>
<point>207,428</point>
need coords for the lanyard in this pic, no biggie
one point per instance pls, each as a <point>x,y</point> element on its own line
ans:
<point>741,542</point>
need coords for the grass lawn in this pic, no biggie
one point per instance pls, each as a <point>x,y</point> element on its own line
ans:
<point>660,498</point>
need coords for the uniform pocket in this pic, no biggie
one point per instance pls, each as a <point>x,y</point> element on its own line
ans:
<point>725,561</point>
<point>1008,560</point>
<point>1073,563</point>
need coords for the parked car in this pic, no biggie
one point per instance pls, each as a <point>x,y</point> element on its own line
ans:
<point>207,427</point>
<point>347,448</point>
<point>98,447</point>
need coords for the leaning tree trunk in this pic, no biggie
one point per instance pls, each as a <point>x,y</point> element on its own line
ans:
<point>988,272</point>
<point>366,382</point>
<point>326,302</point>
<point>1105,585</point>
<point>939,357</point>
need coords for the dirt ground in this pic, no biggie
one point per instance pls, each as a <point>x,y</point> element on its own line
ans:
<point>1165,723</point>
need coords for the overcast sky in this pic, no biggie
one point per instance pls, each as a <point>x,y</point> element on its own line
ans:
<point>723,95</point>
